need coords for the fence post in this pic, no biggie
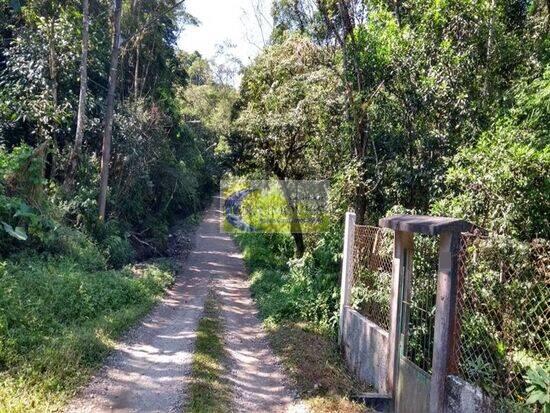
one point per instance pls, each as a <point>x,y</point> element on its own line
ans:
<point>444,317</point>
<point>402,265</point>
<point>347,269</point>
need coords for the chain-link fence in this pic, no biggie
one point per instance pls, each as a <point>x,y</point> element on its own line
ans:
<point>502,340</point>
<point>419,307</point>
<point>372,273</point>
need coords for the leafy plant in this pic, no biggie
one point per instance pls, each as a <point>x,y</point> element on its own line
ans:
<point>538,379</point>
<point>17,232</point>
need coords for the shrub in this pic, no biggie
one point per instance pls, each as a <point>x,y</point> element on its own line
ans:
<point>538,379</point>
<point>305,289</point>
<point>119,251</point>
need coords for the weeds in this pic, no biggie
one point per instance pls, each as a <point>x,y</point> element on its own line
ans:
<point>209,391</point>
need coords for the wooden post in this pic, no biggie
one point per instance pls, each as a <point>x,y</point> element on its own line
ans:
<point>403,247</point>
<point>444,317</point>
<point>347,269</point>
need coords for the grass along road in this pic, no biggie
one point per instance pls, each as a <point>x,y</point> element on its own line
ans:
<point>190,352</point>
<point>61,319</point>
<point>151,370</point>
<point>209,389</point>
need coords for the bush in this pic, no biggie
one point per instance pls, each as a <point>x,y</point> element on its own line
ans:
<point>119,250</point>
<point>306,289</point>
<point>539,387</point>
<point>501,183</point>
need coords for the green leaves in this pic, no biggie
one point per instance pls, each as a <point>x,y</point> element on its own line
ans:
<point>502,181</point>
<point>18,233</point>
<point>23,212</point>
<point>538,379</point>
<point>291,111</point>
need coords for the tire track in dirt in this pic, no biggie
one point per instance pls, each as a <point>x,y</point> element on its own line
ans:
<point>150,368</point>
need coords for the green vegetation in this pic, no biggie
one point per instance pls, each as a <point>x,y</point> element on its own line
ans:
<point>59,319</point>
<point>501,182</point>
<point>402,105</point>
<point>94,170</point>
<point>209,390</point>
<point>298,301</point>
<point>431,106</point>
<point>302,289</point>
<point>538,380</point>
<point>504,332</point>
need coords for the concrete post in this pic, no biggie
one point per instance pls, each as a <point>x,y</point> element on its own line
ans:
<point>402,267</point>
<point>449,230</point>
<point>347,269</point>
<point>444,317</point>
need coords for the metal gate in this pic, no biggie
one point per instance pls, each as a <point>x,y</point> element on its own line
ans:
<point>416,326</point>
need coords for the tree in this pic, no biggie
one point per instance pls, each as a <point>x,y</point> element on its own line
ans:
<point>200,72</point>
<point>81,116</point>
<point>296,16</point>
<point>421,81</point>
<point>287,116</point>
<point>501,182</point>
<point>108,128</point>
<point>148,57</point>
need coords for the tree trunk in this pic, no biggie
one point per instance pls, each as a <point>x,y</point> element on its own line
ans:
<point>53,63</point>
<point>136,73</point>
<point>49,165</point>
<point>295,226</point>
<point>108,128</point>
<point>360,205</point>
<point>81,117</point>
<point>135,13</point>
<point>354,88</point>
<point>489,54</point>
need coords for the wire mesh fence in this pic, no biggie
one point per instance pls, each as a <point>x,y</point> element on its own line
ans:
<point>502,340</point>
<point>372,272</point>
<point>419,306</point>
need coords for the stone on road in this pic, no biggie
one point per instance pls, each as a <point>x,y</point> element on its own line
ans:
<point>150,368</point>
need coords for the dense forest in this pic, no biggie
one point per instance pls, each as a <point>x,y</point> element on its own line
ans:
<point>422,107</point>
<point>430,107</point>
<point>109,135</point>
<point>100,138</point>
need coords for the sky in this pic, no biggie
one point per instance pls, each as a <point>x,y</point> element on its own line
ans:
<point>223,21</point>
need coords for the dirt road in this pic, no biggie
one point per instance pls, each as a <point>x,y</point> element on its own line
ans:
<point>149,370</point>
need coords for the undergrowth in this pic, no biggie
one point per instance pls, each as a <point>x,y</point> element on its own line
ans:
<point>287,289</point>
<point>58,320</point>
